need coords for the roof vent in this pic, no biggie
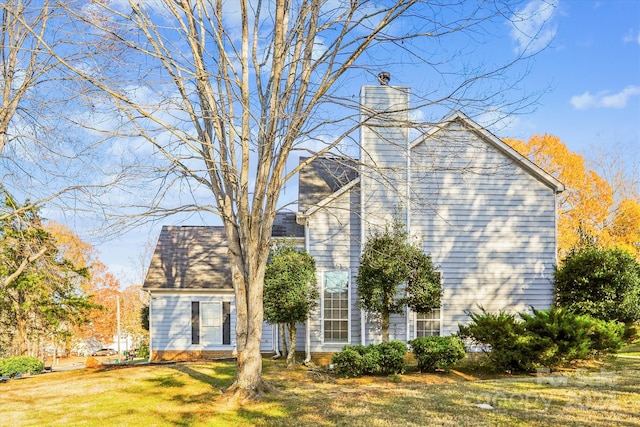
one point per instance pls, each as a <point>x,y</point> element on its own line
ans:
<point>384,77</point>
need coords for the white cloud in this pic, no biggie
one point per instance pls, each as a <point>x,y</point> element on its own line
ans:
<point>532,30</point>
<point>605,100</point>
<point>630,37</point>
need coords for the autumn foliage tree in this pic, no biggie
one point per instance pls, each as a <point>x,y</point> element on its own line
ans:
<point>41,291</point>
<point>103,288</point>
<point>587,209</point>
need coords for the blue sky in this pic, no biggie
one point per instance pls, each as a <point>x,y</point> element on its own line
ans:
<point>592,70</point>
<point>590,79</point>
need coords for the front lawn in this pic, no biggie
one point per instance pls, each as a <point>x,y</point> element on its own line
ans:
<point>190,395</point>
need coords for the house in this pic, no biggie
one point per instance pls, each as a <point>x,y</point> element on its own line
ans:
<point>485,214</point>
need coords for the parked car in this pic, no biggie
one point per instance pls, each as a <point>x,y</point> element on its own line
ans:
<point>104,352</point>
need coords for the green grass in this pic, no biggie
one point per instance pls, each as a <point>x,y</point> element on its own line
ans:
<point>191,395</point>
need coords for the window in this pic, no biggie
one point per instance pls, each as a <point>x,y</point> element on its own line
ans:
<point>336,306</point>
<point>211,323</point>
<point>428,324</point>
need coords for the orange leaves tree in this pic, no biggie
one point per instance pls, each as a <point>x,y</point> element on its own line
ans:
<point>103,287</point>
<point>40,289</point>
<point>587,209</point>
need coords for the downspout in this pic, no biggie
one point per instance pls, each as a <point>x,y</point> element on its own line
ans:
<point>276,347</point>
<point>555,220</point>
<point>408,203</point>
<point>363,328</point>
<point>307,334</point>
<point>555,234</point>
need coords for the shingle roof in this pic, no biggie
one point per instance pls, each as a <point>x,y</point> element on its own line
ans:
<point>323,177</point>
<point>195,257</point>
<point>285,225</point>
<point>190,257</point>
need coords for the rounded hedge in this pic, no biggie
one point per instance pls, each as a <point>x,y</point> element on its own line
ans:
<point>602,283</point>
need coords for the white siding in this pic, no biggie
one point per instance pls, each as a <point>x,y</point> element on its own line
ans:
<point>487,223</point>
<point>171,321</point>
<point>266,343</point>
<point>487,220</point>
<point>384,140</point>
<point>334,242</point>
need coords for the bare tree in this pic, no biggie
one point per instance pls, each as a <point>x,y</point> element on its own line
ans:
<point>223,93</point>
<point>21,57</point>
<point>46,111</point>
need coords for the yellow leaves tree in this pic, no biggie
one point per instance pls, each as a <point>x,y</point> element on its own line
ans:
<point>103,287</point>
<point>70,245</point>
<point>586,209</point>
<point>625,227</point>
<point>132,300</point>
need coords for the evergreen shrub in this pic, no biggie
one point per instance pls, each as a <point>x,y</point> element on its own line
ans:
<point>503,337</point>
<point>544,338</point>
<point>20,364</point>
<point>437,352</point>
<point>603,283</point>
<point>374,359</point>
<point>391,357</point>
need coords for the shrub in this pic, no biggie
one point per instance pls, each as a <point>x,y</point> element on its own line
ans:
<point>143,351</point>
<point>358,360</point>
<point>504,335</point>
<point>606,337</point>
<point>16,365</point>
<point>353,361</point>
<point>391,357</point>
<point>557,336</point>
<point>437,352</point>
<point>544,338</point>
<point>603,283</point>
<point>348,362</point>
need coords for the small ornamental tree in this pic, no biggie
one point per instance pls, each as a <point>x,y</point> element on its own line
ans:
<point>603,283</point>
<point>388,261</point>
<point>290,292</point>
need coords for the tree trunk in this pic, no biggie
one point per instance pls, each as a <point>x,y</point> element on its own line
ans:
<point>21,336</point>
<point>247,269</point>
<point>385,326</point>
<point>291,358</point>
<point>283,334</point>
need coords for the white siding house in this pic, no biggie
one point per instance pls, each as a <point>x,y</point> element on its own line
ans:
<point>485,214</point>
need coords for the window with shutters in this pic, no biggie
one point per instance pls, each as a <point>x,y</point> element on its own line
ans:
<point>211,322</point>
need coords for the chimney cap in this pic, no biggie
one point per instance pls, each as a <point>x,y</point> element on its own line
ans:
<point>384,77</point>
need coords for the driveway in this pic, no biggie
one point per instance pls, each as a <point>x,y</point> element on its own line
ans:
<point>77,362</point>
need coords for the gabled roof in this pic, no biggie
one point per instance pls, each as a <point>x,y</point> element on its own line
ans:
<point>319,184</point>
<point>528,165</point>
<point>190,257</point>
<point>195,257</point>
<point>323,177</point>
